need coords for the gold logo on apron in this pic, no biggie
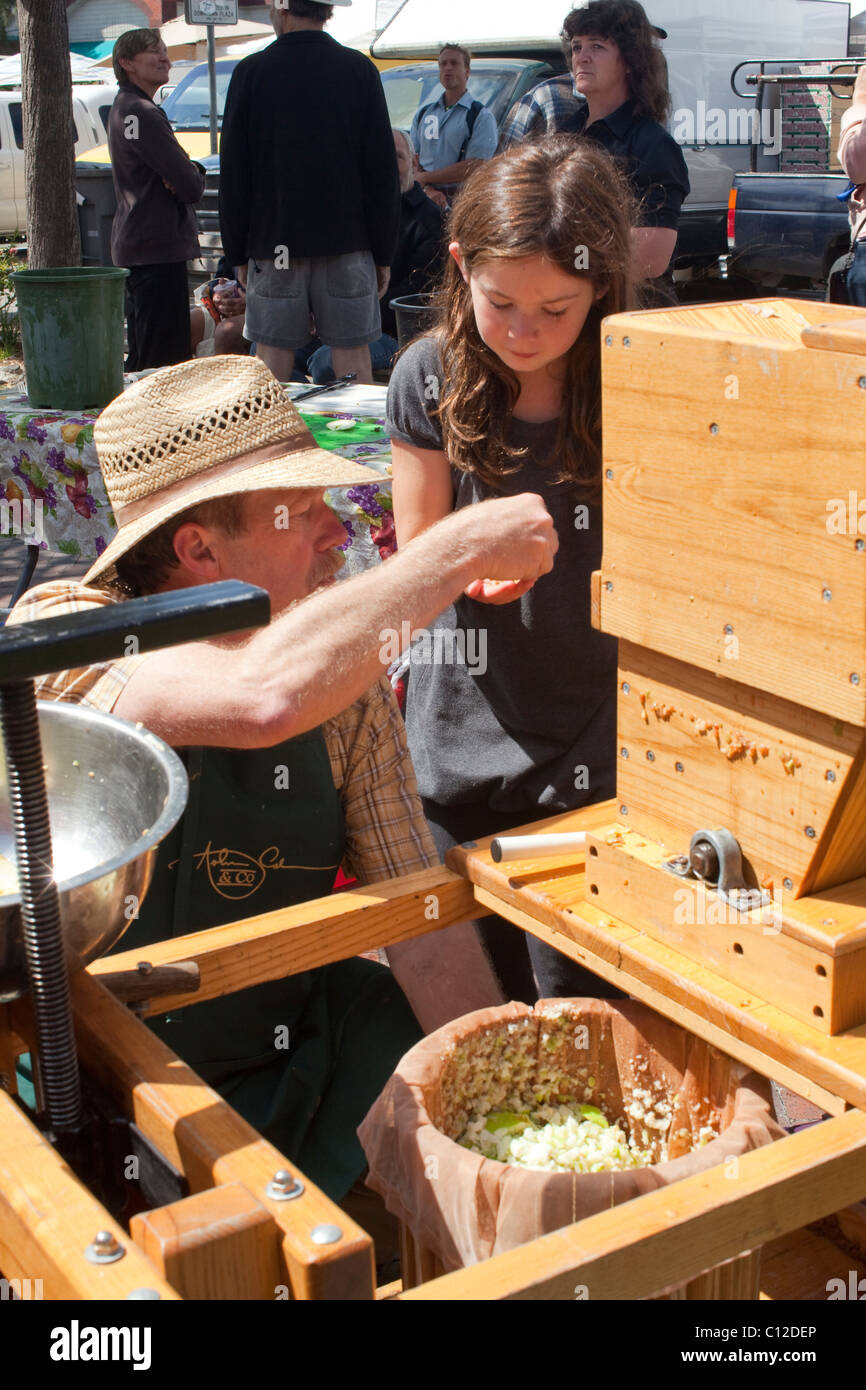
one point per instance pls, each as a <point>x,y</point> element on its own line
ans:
<point>234,874</point>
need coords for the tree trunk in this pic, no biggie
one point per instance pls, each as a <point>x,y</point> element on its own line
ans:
<point>49,135</point>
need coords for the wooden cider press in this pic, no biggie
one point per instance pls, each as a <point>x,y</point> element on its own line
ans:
<point>734,576</point>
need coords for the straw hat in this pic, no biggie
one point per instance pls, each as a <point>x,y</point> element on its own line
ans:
<point>203,429</point>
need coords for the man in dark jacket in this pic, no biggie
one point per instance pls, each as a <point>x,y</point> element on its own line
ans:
<point>309,199</point>
<point>154,232</point>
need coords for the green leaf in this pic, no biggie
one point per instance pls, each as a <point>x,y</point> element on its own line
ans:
<point>504,1119</point>
<point>69,547</point>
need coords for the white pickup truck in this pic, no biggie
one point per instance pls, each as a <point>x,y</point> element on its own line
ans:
<point>91,104</point>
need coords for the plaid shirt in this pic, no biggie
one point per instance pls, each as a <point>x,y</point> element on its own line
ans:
<point>550,107</point>
<point>386,833</point>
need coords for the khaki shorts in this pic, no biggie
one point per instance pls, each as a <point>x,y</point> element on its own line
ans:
<point>340,291</point>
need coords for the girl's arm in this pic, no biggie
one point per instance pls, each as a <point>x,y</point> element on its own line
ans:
<point>422,489</point>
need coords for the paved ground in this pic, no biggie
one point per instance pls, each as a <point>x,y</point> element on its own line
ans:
<point>12,553</point>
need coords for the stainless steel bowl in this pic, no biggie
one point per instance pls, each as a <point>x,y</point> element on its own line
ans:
<point>114,791</point>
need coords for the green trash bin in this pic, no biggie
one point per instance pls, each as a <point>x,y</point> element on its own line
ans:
<point>71,322</point>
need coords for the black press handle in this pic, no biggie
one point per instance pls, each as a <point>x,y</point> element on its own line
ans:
<point>39,648</point>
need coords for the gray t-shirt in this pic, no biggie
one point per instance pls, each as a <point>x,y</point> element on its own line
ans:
<point>512,706</point>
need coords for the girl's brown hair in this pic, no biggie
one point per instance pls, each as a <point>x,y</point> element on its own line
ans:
<point>566,200</point>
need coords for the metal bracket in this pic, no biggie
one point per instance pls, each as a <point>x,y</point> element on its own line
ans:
<point>715,858</point>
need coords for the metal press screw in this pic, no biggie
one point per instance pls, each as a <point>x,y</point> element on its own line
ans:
<point>678,767</point>
<point>608,472</point>
<point>788,883</point>
<point>650,756</point>
<point>714,429</point>
<point>608,584</point>
<point>826,595</point>
<point>623,810</point>
<point>728,629</point>
<point>283,1186</point>
<point>104,1249</point>
<point>829,775</point>
<point>623,752</point>
<point>626,688</point>
<point>608,342</point>
<point>862,383</point>
<point>810,831</point>
<point>626,342</point>
<point>854,678</point>
<point>860,544</point>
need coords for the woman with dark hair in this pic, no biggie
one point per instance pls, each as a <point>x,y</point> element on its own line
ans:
<point>620,71</point>
<point>511,712</point>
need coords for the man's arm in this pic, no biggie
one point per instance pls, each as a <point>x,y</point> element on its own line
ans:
<point>450,173</point>
<point>852,146</point>
<point>315,659</point>
<point>159,149</point>
<point>235,190</point>
<point>652,248</point>
<point>380,179</point>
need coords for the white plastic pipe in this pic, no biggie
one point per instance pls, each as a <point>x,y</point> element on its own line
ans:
<point>507,847</point>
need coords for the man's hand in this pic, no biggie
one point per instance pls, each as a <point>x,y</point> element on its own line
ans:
<point>229,305</point>
<point>514,540</point>
<point>170,186</point>
<point>436,196</point>
<point>241,275</point>
<point>383,278</point>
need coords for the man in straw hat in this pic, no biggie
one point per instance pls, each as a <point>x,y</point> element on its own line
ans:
<point>291,735</point>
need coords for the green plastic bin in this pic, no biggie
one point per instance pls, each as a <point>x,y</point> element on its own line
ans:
<point>71,322</point>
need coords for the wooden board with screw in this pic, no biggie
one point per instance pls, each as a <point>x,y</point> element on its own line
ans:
<point>695,751</point>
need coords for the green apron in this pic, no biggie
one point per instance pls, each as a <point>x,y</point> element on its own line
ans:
<point>302,1058</point>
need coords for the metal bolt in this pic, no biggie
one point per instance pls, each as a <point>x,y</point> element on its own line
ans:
<point>650,756</point>
<point>678,767</point>
<point>623,810</point>
<point>810,831</point>
<point>144,967</point>
<point>854,678</point>
<point>728,629</point>
<point>623,752</point>
<point>608,472</point>
<point>608,584</point>
<point>788,883</point>
<point>714,429</point>
<point>326,1234</point>
<point>862,383</point>
<point>829,775</point>
<point>143,1294</point>
<point>626,688</point>
<point>104,1249</point>
<point>608,342</point>
<point>284,1186</point>
<point>626,342</point>
<point>826,595</point>
<point>860,544</point>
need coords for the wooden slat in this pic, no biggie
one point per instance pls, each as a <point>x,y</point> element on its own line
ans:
<point>654,1242</point>
<point>219,1244</point>
<point>7,1053</point>
<point>849,336</point>
<point>211,1144</point>
<point>300,938</point>
<point>48,1219</point>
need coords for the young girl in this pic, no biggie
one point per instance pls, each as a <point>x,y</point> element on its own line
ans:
<point>511,711</point>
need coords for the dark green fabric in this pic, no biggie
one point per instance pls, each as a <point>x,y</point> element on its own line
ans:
<point>304,1057</point>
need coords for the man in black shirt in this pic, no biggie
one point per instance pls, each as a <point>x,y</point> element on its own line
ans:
<point>309,198</point>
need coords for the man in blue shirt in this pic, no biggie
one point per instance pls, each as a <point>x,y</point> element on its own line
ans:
<point>450,134</point>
